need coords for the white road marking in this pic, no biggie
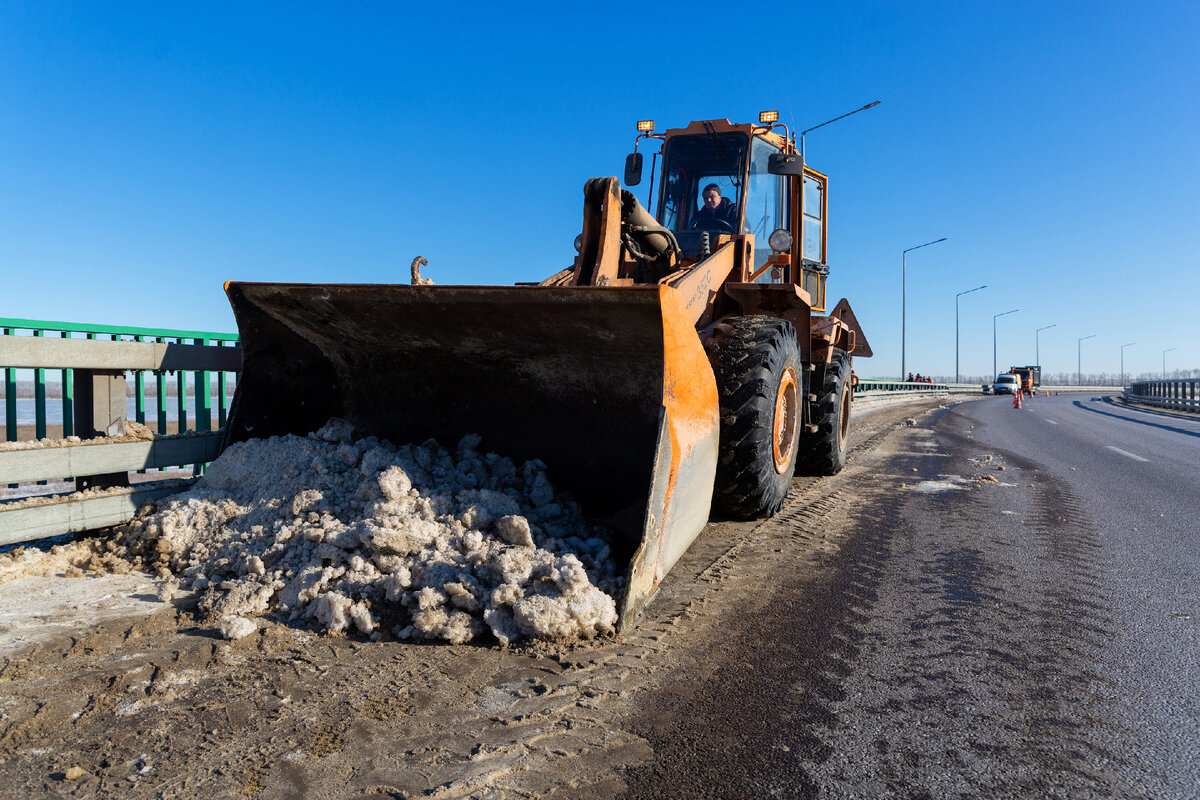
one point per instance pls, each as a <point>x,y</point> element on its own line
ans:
<point>1125,453</point>
<point>1052,422</point>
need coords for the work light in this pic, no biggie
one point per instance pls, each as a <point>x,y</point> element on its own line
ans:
<point>780,240</point>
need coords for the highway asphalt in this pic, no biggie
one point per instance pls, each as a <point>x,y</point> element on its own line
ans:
<point>1135,476</point>
<point>1000,603</point>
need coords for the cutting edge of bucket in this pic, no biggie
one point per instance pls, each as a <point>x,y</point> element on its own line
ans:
<point>685,460</point>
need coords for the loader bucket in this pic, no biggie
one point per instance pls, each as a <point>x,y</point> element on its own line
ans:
<point>608,386</point>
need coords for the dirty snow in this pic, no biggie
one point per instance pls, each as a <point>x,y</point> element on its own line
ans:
<point>134,432</point>
<point>414,541</point>
<point>944,483</point>
<point>72,560</point>
<point>95,492</point>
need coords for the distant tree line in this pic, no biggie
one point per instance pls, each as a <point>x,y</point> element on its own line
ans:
<point>1087,378</point>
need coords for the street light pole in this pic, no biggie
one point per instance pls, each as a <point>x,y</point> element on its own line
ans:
<point>1164,372</point>
<point>960,294</point>
<point>822,125</point>
<point>994,318</point>
<point>1131,344</point>
<point>804,133</point>
<point>1079,359</point>
<point>1037,345</point>
<point>904,302</point>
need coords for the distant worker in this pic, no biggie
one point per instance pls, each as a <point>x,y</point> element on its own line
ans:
<point>717,212</point>
<point>910,378</point>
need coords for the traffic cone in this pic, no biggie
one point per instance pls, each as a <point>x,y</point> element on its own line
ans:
<point>1017,399</point>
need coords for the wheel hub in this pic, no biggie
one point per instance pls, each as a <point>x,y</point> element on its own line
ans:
<point>787,407</point>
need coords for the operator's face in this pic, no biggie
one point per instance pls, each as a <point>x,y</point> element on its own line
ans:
<point>712,199</point>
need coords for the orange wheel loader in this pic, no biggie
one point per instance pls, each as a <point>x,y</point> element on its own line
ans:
<point>684,363</point>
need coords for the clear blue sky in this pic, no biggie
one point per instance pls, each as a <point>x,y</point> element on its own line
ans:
<point>149,152</point>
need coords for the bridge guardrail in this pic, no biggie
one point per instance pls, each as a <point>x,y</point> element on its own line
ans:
<point>94,405</point>
<point>1183,395</point>
<point>873,389</point>
<point>870,389</point>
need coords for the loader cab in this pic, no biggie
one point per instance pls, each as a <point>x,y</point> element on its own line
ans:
<point>689,164</point>
<point>738,159</point>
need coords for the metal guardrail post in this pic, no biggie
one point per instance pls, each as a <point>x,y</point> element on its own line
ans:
<point>68,396</point>
<point>222,401</point>
<point>10,399</point>
<point>100,412</point>
<point>139,392</point>
<point>160,397</point>
<point>181,391</point>
<point>203,396</point>
<point>39,395</point>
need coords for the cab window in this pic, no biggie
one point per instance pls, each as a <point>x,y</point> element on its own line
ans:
<point>766,204</point>
<point>692,162</point>
<point>814,222</point>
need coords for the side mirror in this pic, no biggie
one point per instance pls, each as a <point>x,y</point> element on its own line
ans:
<point>780,164</point>
<point>633,169</point>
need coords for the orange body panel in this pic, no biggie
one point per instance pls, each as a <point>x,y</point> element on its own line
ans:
<point>685,463</point>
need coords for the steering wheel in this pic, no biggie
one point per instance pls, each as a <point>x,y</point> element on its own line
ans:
<point>711,224</point>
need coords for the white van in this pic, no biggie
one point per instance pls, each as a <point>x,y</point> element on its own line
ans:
<point>1006,384</point>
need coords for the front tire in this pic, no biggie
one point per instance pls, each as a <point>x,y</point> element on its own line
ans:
<point>760,384</point>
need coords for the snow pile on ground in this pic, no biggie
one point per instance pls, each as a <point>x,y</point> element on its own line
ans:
<point>368,536</point>
<point>71,559</point>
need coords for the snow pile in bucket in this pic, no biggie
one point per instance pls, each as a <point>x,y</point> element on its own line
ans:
<point>363,535</point>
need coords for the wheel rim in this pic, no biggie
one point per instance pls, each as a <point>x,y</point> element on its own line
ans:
<point>844,417</point>
<point>783,432</point>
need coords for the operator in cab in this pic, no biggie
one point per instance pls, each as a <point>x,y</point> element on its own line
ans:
<point>717,212</point>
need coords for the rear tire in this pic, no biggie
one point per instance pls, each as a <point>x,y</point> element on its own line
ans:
<point>824,452</point>
<point>760,383</point>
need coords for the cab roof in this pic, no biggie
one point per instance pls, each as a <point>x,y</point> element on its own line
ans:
<point>701,127</point>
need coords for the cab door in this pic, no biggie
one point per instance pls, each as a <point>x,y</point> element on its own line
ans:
<point>766,209</point>
<point>813,236</point>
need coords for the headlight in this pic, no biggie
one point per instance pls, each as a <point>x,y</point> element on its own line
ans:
<point>780,240</point>
<point>579,243</point>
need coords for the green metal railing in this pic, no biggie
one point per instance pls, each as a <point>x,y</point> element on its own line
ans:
<point>202,390</point>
